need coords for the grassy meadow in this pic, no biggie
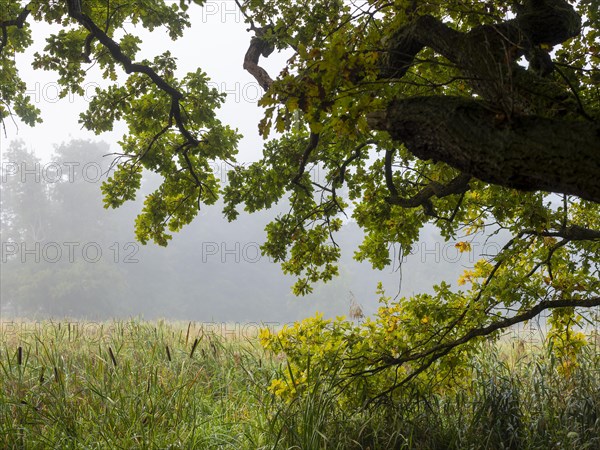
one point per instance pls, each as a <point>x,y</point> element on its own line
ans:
<point>151,385</point>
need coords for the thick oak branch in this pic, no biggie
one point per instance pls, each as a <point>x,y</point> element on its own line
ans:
<point>527,153</point>
<point>487,54</point>
<point>258,47</point>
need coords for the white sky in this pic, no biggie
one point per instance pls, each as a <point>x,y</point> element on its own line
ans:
<point>216,42</point>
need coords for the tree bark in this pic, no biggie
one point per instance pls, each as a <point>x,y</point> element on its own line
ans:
<point>487,54</point>
<point>526,153</point>
<point>522,131</point>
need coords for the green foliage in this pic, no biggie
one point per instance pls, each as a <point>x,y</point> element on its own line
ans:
<point>511,394</point>
<point>154,141</point>
<point>317,109</point>
<point>130,384</point>
<point>360,355</point>
<point>176,385</point>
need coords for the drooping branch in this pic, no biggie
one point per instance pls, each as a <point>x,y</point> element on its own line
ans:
<point>501,324</point>
<point>433,354</point>
<point>74,10</point>
<point>175,113</point>
<point>530,153</point>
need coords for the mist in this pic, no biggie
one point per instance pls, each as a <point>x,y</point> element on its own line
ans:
<point>65,255</point>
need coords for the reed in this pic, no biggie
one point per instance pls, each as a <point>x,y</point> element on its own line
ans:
<point>169,385</point>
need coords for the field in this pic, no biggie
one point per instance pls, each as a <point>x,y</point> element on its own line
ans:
<point>171,385</point>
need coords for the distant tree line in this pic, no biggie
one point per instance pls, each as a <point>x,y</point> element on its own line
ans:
<point>63,254</point>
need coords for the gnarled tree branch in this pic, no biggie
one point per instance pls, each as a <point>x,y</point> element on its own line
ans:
<point>516,134</point>
<point>258,47</point>
<point>436,352</point>
<point>458,185</point>
<point>531,153</point>
<point>488,53</point>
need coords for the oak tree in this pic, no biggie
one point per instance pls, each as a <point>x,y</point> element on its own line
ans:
<point>479,117</point>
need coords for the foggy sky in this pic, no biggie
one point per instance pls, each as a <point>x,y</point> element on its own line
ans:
<point>211,271</point>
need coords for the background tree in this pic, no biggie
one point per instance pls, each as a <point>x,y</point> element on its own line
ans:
<point>24,206</point>
<point>53,223</point>
<point>50,213</point>
<point>478,117</point>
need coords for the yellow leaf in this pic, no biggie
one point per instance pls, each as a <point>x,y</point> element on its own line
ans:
<point>292,104</point>
<point>463,246</point>
<point>465,278</point>
<point>316,127</point>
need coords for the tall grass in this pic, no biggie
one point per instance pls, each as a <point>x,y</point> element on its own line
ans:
<point>130,385</point>
<point>518,396</point>
<point>164,385</point>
